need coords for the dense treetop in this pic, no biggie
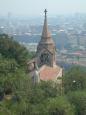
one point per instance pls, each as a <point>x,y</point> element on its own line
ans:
<point>13,50</point>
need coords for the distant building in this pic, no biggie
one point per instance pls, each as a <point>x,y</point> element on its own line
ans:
<point>44,66</point>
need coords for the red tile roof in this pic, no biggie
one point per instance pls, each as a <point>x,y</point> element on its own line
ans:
<point>49,73</point>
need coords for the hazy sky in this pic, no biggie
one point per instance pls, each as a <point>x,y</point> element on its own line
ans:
<point>36,7</point>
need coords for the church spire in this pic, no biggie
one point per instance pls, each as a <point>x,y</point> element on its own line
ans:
<point>46,47</point>
<point>45,33</point>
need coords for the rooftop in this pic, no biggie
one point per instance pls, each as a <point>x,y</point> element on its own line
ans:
<point>49,73</point>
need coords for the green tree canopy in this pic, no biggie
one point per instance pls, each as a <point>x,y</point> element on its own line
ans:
<point>78,98</point>
<point>60,106</point>
<point>12,49</point>
<point>74,79</point>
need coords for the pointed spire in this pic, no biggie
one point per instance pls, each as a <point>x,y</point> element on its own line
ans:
<point>45,12</point>
<point>45,33</point>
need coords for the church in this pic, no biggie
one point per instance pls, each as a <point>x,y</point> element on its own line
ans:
<point>43,66</point>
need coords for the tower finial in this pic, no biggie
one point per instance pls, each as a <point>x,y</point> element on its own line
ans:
<point>45,11</point>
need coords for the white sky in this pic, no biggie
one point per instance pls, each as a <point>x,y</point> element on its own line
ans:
<point>36,7</point>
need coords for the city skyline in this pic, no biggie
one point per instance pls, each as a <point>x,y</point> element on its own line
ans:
<point>32,8</point>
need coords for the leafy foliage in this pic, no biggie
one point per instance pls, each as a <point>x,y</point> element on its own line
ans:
<point>60,106</point>
<point>78,98</point>
<point>12,49</point>
<point>75,79</point>
<point>18,96</point>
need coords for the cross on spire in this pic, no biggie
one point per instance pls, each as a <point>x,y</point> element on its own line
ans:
<point>45,11</point>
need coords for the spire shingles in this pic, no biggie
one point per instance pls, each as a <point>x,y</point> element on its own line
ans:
<point>45,32</point>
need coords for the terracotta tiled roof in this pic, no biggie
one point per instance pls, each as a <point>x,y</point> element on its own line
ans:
<point>49,73</point>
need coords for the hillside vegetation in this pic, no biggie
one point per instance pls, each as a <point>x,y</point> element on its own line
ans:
<point>18,96</point>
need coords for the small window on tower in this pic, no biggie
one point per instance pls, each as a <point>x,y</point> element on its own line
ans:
<point>45,59</point>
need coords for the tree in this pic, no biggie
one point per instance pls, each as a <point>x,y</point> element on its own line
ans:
<point>50,88</point>
<point>17,86</point>
<point>74,79</point>
<point>7,66</point>
<point>78,98</point>
<point>12,49</point>
<point>60,106</point>
<point>14,82</point>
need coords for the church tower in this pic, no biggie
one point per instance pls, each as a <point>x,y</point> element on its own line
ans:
<point>46,47</point>
<point>43,66</point>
